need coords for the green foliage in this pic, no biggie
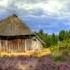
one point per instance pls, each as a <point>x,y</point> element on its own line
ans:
<point>48,39</point>
<point>54,39</point>
<point>58,58</point>
<point>59,44</point>
<point>62,35</point>
<point>61,50</point>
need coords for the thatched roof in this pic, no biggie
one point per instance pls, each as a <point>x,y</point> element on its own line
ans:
<point>13,26</point>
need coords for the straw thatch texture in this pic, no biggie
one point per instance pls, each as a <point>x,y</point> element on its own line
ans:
<point>13,26</point>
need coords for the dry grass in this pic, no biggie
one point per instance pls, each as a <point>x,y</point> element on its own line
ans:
<point>36,53</point>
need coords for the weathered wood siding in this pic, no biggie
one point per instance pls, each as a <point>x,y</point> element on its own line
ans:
<point>13,45</point>
<point>28,44</point>
<point>20,45</point>
<point>36,44</point>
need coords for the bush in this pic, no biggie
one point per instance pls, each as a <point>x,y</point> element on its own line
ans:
<point>58,58</point>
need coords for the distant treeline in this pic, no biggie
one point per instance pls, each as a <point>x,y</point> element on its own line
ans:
<point>53,39</point>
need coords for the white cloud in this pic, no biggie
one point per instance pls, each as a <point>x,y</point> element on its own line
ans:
<point>59,8</point>
<point>4,3</point>
<point>52,7</point>
<point>49,7</point>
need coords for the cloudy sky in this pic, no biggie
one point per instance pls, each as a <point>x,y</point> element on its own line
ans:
<point>49,15</point>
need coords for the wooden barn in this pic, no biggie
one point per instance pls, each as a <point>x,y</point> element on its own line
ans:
<point>16,36</point>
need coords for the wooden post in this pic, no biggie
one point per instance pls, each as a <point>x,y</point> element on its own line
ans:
<point>8,46</point>
<point>0,45</point>
<point>25,46</point>
<point>3,45</point>
<point>18,45</point>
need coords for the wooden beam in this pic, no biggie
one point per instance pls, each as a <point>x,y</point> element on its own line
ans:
<point>25,45</point>
<point>0,45</point>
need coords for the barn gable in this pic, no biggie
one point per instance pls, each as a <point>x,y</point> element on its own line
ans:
<point>12,26</point>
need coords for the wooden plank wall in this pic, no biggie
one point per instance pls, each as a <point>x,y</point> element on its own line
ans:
<point>19,45</point>
<point>12,45</point>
